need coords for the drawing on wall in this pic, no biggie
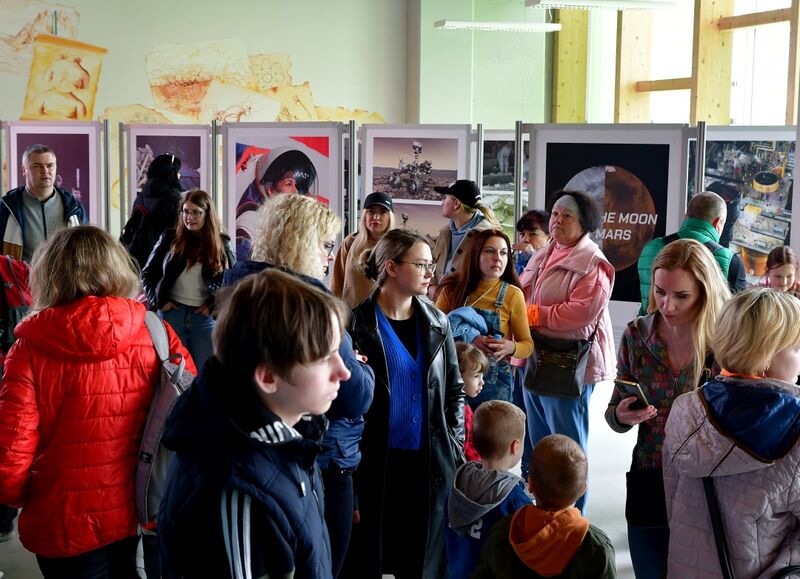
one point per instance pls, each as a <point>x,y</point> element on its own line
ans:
<point>75,147</point>
<point>63,79</point>
<point>22,22</point>
<point>630,184</point>
<point>263,160</point>
<point>755,178</point>
<point>497,181</point>
<point>407,162</point>
<point>187,143</point>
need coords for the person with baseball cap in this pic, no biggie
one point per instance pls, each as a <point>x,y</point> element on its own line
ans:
<point>463,205</point>
<point>348,280</point>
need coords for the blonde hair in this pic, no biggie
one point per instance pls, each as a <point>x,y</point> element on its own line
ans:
<point>362,240</point>
<point>485,209</point>
<point>81,261</point>
<point>471,358</point>
<point>495,425</point>
<point>290,230</point>
<point>558,472</point>
<point>695,258</point>
<point>753,326</point>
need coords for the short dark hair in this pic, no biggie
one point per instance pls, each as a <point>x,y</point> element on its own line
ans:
<point>533,219</point>
<point>558,471</point>
<point>37,149</point>
<point>591,216</point>
<point>275,318</point>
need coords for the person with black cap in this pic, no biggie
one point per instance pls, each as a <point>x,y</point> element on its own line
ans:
<point>463,205</point>
<point>348,281</point>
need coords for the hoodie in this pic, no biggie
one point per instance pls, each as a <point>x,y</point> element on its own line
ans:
<point>478,499</point>
<point>244,496</point>
<point>743,433</point>
<point>537,543</point>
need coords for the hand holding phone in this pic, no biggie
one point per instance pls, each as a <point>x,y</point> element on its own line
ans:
<point>628,389</point>
<point>638,409</point>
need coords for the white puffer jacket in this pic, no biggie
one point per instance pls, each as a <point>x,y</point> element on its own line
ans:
<point>744,434</point>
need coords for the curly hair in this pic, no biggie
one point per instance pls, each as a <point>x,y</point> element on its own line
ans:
<point>462,283</point>
<point>290,229</point>
<point>205,247</point>
<point>76,262</point>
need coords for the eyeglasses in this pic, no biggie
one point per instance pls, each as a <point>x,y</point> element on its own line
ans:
<point>422,267</point>
<point>329,246</point>
<point>196,213</point>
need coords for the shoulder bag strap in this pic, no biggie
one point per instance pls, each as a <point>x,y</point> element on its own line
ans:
<point>158,334</point>
<point>716,524</point>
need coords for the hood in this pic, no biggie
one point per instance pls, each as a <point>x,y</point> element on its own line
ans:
<point>751,423</point>
<point>242,269</point>
<point>154,194</point>
<point>220,413</point>
<point>475,492</point>
<point>91,328</point>
<point>546,541</point>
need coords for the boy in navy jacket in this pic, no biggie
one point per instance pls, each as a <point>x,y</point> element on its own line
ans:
<point>483,492</point>
<point>244,497</point>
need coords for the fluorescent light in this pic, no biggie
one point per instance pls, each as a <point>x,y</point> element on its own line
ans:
<point>497,26</point>
<point>606,4</point>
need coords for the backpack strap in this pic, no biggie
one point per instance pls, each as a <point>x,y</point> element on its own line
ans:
<point>670,238</point>
<point>158,333</point>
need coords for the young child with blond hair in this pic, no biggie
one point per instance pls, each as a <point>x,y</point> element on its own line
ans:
<point>484,491</point>
<point>472,363</point>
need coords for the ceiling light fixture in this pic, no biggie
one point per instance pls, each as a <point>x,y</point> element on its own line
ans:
<point>485,26</point>
<point>603,4</point>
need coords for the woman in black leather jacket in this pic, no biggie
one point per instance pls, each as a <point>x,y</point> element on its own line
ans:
<point>414,435</point>
<point>185,270</point>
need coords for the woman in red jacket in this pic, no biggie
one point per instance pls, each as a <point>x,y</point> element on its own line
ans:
<point>75,394</point>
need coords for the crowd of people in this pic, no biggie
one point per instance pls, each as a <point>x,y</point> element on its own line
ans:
<point>373,426</point>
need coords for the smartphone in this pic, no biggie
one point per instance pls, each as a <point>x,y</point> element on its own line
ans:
<point>628,389</point>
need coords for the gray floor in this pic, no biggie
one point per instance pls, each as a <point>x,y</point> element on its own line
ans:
<point>609,458</point>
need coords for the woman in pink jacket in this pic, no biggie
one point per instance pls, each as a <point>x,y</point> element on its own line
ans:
<point>76,390</point>
<point>568,285</point>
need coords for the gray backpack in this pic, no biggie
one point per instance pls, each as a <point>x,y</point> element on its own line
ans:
<point>153,462</point>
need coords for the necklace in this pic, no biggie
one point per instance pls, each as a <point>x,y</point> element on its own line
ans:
<point>479,298</point>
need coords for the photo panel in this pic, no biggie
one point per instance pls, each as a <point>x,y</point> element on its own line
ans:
<point>307,156</point>
<point>635,172</point>
<point>189,143</point>
<point>752,169</point>
<point>407,162</point>
<point>75,145</point>
<point>497,181</point>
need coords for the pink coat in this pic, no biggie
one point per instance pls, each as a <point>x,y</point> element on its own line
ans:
<point>572,296</point>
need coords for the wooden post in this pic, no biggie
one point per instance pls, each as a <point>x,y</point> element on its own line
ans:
<point>794,65</point>
<point>633,64</point>
<point>570,60</point>
<point>711,64</point>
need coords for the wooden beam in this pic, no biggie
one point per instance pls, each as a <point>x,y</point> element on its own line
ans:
<point>570,61</point>
<point>664,84</point>
<point>794,65</point>
<point>754,19</point>
<point>633,62</point>
<point>712,57</point>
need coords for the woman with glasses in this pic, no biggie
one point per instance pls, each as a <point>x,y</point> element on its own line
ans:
<point>348,281</point>
<point>297,234</point>
<point>496,323</point>
<point>185,270</point>
<point>414,435</point>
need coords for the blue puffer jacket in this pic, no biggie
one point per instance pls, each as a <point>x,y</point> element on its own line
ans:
<point>346,415</point>
<point>244,489</point>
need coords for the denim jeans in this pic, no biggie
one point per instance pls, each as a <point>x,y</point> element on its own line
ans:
<point>568,416</point>
<point>649,548</point>
<point>114,561</point>
<point>519,402</point>
<point>339,503</point>
<point>194,330</point>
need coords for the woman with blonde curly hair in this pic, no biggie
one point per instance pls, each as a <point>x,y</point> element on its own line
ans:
<point>77,387</point>
<point>297,234</point>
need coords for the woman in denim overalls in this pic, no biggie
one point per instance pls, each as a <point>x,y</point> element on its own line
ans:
<point>489,286</point>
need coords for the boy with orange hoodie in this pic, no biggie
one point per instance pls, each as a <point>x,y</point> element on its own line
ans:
<point>550,539</point>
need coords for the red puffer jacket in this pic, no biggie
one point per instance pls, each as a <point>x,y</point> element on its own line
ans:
<point>76,389</point>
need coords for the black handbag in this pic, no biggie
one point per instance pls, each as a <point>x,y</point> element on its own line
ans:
<point>557,366</point>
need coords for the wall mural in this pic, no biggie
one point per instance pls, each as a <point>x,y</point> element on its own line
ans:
<point>194,82</point>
